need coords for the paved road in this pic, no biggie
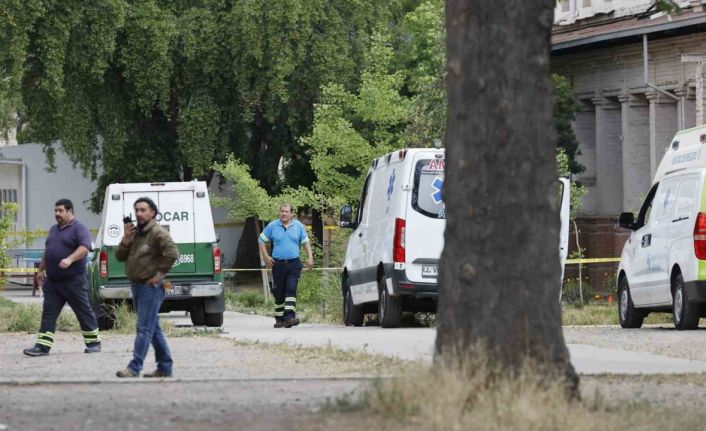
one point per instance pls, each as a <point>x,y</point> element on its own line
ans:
<point>588,357</point>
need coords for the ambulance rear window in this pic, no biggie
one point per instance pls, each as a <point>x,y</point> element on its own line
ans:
<point>428,186</point>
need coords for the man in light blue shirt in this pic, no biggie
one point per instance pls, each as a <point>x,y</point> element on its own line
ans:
<point>287,237</point>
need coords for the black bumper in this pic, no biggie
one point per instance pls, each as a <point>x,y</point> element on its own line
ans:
<point>403,287</point>
<point>695,291</point>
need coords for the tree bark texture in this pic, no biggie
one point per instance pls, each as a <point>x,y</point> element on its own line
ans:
<point>499,272</point>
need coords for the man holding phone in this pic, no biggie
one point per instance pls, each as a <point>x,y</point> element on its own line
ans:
<point>149,253</point>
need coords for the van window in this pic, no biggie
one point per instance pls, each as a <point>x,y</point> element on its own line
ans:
<point>665,200</point>
<point>644,216</point>
<point>687,194</point>
<point>363,197</point>
<point>428,185</point>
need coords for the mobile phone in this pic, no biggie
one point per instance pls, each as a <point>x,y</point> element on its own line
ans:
<point>127,220</point>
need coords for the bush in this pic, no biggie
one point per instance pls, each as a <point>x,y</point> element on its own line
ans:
<point>571,293</point>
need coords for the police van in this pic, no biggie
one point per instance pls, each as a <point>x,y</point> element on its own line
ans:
<point>197,279</point>
<point>663,262</point>
<point>392,259</point>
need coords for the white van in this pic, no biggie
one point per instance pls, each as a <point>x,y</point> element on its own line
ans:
<point>663,263</point>
<point>185,211</point>
<point>391,262</point>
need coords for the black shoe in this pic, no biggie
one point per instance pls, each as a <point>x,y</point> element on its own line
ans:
<point>157,373</point>
<point>36,351</point>
<point>126,373</point>
<point>278,324</point>
<point>95,348</point>
<point>292,321</point>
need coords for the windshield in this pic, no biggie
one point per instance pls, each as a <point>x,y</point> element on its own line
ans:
<point>428,185</point>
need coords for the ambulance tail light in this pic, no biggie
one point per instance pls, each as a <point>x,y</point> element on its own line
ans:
<point>216,260</point>
<point>103,264</point>
<point>700,236</point>
<point>398,254</point>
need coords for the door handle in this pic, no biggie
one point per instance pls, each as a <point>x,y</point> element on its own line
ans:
<point>680,219</point>
<point>646,240</point>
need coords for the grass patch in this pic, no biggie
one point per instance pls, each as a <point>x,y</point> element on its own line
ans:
<point>16,317</point>
<point>329,352</point>
<point>603,314</point>
<point>480,397</point>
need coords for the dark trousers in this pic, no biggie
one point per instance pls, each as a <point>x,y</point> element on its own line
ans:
<point>56,295</point>
<point>285,275</point>
<point>148,299</point>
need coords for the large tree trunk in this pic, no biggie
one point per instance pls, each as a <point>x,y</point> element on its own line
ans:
<point>500,269</point>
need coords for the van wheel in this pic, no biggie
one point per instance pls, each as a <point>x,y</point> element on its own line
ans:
<point>198,316</point>
<point>684,312</point>
<point>214,320</point>
<point>628,315</point>
<point>389,307</point>
<point>352,314</point>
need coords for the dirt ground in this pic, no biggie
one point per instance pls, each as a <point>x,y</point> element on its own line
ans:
<point>218,384</point>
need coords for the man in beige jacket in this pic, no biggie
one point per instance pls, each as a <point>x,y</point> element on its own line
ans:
<point>149,253</point>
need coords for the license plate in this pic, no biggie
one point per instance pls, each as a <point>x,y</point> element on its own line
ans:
<point>175,290</point>
<point>431,271</point>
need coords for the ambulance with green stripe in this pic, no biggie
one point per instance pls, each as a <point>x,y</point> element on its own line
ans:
<point>185,211</point>
<point>663,263</point>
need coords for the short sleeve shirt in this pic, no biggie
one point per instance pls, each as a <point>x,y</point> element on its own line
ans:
<point>286,241</point>
<point>60,243</point>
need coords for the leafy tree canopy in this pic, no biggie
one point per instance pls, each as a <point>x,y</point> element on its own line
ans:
<point>147,90</point>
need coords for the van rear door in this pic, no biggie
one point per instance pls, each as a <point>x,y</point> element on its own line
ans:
<point>176,214</point>
<point>425,218</point>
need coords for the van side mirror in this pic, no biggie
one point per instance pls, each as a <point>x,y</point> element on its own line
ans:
<point>347,217</point>
<point>627,221</point>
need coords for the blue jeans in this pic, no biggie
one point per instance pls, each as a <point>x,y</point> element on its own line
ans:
<point>148,299</point>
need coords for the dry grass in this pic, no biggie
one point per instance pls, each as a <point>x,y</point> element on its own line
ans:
<point>603,314</point>
<point>480,398</point>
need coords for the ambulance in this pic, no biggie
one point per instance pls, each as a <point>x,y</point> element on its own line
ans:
<point>197,278</point>
<point>663,263</point>
<point>392,260</point>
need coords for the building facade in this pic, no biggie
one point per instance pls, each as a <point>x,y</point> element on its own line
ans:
<point>638,74</point>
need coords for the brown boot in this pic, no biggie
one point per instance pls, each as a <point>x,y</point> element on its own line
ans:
<point>292,321</point>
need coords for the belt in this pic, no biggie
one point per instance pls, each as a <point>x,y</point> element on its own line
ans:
<point>287,260</point>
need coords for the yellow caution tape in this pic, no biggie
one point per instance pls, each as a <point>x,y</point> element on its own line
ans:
<point>19,270</point>
<point>592,260</point>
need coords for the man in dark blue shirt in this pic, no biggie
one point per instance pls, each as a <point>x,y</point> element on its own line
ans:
<point>63,273</point>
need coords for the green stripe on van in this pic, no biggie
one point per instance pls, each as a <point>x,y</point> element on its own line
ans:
<point>702,263</point>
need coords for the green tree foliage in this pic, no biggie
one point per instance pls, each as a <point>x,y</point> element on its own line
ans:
<point>147,90</point>
<point>565,108</point>
<point>351,129</point>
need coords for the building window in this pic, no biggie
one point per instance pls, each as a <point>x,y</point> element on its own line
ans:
<point>586,3</point>
<point>8,196</point>
<point>565,5</point>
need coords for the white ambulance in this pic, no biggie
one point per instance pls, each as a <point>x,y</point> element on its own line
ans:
<point>197,279</point>
<point>392,259</point>
<point>663,263</point>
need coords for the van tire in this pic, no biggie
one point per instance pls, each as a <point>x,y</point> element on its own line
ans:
<point>198,315</point>
<point>214,320</point>
<point>352,314</point>
<point>389,307</point>
<point>628,315</point>
<point>684,312</point>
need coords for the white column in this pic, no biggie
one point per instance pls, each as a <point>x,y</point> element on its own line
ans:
<point>663,126</point>
<point>609,156</point>
<point>635,150</point>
